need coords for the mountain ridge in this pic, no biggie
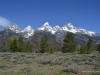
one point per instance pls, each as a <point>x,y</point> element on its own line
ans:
<point>46,27</point>
<point>56,31</point>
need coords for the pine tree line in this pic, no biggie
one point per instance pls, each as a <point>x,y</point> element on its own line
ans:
<point>17,44</point>
<point>45,44</point>
<point>69,45</point>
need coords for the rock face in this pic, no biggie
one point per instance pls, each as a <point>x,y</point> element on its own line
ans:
<point>59,32</point>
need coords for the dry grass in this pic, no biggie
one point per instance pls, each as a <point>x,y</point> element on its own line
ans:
<point>44,69</point>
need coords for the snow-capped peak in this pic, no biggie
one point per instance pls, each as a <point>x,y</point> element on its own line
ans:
<point>15,28</point>
<point>46,24</point>
<point>70,26</point>
<point>83,31</point>
<point>47,27</point>
<point>28,31</point>
<point>57,28</point>
<point>28,28</point>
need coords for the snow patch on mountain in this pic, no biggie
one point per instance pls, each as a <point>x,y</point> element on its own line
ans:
<point>47,27</point>
<point>57,28</point>
<point>70,28</point>
<point>28,30</point>
<point>15,28</point>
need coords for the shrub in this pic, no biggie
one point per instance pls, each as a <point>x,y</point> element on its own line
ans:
<point>89,63</point>
<point>28,61</point>
<point>16,57</point>
<point>3,66</point>
<point>96,73</point>
<point>45,60</point>
<point>71,69</point>
<point>67,64</point>
<point>15,61</point>
<point>62,73</point>
<point>96,65</point>
<point>80,63</point>
<point>77,59</point>
<point>55,62</point>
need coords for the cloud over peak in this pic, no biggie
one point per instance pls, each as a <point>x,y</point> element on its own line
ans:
<point>4,21</point>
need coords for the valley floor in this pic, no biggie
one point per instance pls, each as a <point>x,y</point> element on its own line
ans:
<point>49,64</point>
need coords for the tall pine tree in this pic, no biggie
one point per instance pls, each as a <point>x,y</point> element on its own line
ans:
<point>28,46</point>
<point>20,44</point>
<point>98,49</point>
<point>69,44</point>
<point>90,45</point>
<point>82,50</point>
<point>44,44</point>
<point>12,44</point>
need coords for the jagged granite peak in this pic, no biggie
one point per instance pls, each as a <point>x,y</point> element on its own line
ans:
<point>46,24</point>
<point>15,28</point>
<point>47,27</point>
<point>56,28</point>
<point>69,27</point>
<point>28,31</point>
<point>57,31</point>
<point>28,28</point>
<point>84,31</point>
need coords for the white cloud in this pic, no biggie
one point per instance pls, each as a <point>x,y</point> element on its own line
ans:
<point>4,22</point>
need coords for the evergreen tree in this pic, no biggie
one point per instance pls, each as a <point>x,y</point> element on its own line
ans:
<point>28,46</point>
<point>82,50</point>
<point>51,50</point>
<point>90,45</point>
<point>44,44</point>
<point>12,44</point>
<point>2,44</point>
<point>98,49</point>
<point>20,44</point>
<point>58,49</point>
<point>69,44</point>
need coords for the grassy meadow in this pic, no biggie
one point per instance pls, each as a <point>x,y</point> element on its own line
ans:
<point>49,64</point>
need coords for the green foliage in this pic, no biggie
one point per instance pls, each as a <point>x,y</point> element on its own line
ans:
<point>58,48</point>
<point>51,50</point>
<point>62,73</point>
<point>69,44</point>
<point>17,44</point>
<point>98,73</point>
<point>12,44</point>
<point>20,44</point>
<point>2,44</point>
<point>98,49</point>
<point>44,44</point>
<point>82,50</point>
<point>28,46</point>
<point>90,45</point>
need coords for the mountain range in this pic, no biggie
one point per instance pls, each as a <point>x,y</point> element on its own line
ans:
<point>57,31</point>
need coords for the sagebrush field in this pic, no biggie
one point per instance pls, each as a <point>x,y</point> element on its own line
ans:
<point>49,64</point>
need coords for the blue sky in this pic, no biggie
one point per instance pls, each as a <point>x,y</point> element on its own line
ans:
<point>81,13</point>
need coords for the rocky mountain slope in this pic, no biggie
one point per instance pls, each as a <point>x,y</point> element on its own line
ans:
<point>58,32</point>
